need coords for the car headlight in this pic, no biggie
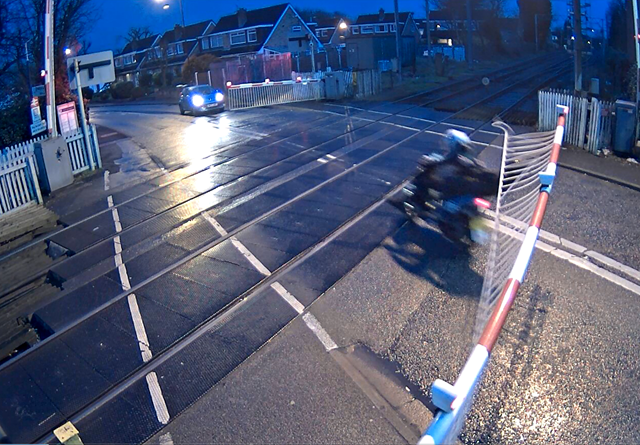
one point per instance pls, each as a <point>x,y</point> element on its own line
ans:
<point>197,100</point>
<point>219,97</point>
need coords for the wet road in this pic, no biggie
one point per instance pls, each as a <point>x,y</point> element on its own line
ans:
<point>185,310</point>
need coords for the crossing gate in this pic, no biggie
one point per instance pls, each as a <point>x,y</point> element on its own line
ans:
<point>250,95</point>
<point>18,181</point>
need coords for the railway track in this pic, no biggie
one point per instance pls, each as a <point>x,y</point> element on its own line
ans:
<point>321,171</point>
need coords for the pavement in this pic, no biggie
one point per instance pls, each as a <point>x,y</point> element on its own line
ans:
<point>231,283</point>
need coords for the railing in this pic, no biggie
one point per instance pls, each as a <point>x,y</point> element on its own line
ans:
<point>82,158</point>
<point>273,93</point>
<point>589,122</point>
<point>18,181</point>
<point>527,161</point>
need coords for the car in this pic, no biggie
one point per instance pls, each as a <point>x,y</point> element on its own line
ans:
<point>200,99</point>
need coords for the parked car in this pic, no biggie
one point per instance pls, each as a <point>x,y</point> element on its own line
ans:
<point>200,99</point>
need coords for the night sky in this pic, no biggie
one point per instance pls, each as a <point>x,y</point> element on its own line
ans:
<point>117,16</point>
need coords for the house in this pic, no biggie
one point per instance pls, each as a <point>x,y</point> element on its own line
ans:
<point>174,47</point>
<point>127,63</point>
<point>449,27</point>
<point>333,35</point>
<point>168,50</point>
<point>372,39</point>
<point>266,31</point>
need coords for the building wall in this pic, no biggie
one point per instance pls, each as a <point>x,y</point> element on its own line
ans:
<point>279,40</point>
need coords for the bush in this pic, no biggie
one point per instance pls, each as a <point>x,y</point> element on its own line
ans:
<point>122,90</point>
<point>146,80</point>
<point>157,79</point>
<point>15,118</point>
<point>137,93</point>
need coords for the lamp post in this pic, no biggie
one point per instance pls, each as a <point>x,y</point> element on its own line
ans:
<point>167,6</point>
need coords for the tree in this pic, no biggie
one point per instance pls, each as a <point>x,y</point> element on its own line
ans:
<point>197,64</point>
<point>136,34</point>
<point>320,15</point>
<point>528,11</point>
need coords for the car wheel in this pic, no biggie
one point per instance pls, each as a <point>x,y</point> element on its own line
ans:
<point>182,112</point>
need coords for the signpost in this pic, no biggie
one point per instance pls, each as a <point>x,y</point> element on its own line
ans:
<point>38,91</point>
<point>93,69</point>
<point>68,118</point>
<point>38,124</point>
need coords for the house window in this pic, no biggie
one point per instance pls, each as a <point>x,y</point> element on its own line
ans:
<point>392,28</point>
<point>205,43</point>
<point>296,28</point>
<point>324,33</point>
<point>179,48</point>
<point>171,50</point>
<point>119,62</point>
<point>318,33</point>
<point>252,35</point>
<point>128,60</point>
<point>238,38</point>
<point>355,30</point>
<point>367,29</point>
<point>216,41</point>
<point>159,53</point>
<point>381,28</point>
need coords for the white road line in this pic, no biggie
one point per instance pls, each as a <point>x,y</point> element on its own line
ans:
<point>106,180</point>
<point>322,335</point>
<point>255,262</point>
<point>288,297</point>
<point>166,439</point>
<point>159,403</point>
<point>106,135</point>
<point>162,413</point>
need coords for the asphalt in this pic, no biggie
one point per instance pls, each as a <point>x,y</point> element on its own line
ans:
<point>231,355</point>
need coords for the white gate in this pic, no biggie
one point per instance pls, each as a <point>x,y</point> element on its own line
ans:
<point>251,95</point>
<point>589,122</point>
<point>18,181</point>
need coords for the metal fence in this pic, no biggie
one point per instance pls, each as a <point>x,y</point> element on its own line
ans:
<point>589,122</point>
<point>273,93</point>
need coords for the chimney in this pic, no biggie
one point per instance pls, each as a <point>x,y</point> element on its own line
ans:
<point>242,17</point>
<point>381,15</point>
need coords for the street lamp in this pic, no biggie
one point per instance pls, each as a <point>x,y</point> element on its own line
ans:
<point>67,51</point>
<point>167,6</point>
<point>343,25</point>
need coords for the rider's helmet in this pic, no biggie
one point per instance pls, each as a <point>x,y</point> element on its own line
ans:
<point>459,144</point>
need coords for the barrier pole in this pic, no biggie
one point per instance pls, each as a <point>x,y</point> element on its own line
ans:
<point>454,401</point>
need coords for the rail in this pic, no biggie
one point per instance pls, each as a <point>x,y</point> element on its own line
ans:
<point>454,401</point>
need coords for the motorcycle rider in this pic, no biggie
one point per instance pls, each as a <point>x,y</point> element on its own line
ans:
<point>458,173</point>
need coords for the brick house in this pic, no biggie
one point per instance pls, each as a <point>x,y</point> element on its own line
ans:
<point>266,31</point>
<point>169,50</point>
<point>333,35</point>
<point>372,39</point>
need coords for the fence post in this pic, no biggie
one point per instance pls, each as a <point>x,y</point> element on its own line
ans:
<point>34,178</point>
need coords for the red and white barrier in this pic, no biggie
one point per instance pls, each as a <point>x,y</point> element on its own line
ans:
<point>454,401</point>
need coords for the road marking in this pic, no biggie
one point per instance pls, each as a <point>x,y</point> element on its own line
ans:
<point>166,439</point>
<point>313,324</point>
<point>138,324</point>
<point>106,135</point>
<point>106,180</point>
<point>158,399</point>
<point>288,297</point>
<point>255,262</point>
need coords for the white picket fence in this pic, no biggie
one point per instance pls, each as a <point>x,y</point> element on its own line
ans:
<point>18,181</point>
<point>589,122</point>
<point>19,185</point>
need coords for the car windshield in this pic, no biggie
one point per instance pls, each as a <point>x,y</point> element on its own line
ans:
<point>205,89</point>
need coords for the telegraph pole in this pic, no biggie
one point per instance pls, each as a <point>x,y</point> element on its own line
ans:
<point>428,10</point>
<point>469,36</point>
<point>398,54</point>
<point>577,45</point>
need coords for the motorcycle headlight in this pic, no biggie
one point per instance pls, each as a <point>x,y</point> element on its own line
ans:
<point>219,97</point>
<point>197,100</point>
